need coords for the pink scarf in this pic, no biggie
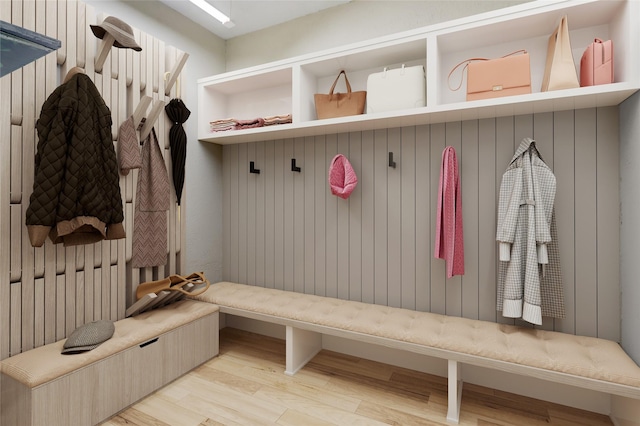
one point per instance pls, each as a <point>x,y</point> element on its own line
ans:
<point>449,241</point>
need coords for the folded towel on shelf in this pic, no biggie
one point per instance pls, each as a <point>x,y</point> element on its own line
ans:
<point>222,125</point>
<point>277,119</point>
<point>236,124</point>
<point>249,124</point>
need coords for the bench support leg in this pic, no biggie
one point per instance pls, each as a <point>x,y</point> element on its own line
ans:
<point>455,392</point>
<point>302,346</point>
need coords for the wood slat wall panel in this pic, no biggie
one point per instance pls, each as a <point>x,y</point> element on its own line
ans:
<point>250,226</point>
<point>309,215</point>
<point>586,207</point>
<point>38,298</point>
<point>260,220</point>
<point>438,272</point>
<point>487,219</point>
<point>563,154</point>
<point>45,293</point>
<point>80,299</point>
<point>342,228</point>
<point>243,249</point>
<point>608,223</point>
<point>5,203</point>
<point>15,269</point>
<point>60,308</point>
<point>235,170</point>
<point>43,67</point>
<point>16,160</point>
<point>543,133</point>
<point>226,211</point>
<point>5,11</point>
<point>355,222</point>
<point>365,184</point>
<point>380,216</point>
<point>469,180</point>
<point>71,35</point>
<point>269,214</point>
<point>394,219</point>
<point>299,197</point>
<point>27,321</point>
<point>278,176</point>
<point>81,35</point>
<point>320,166</point>
<point>331,229</point>
<point>61,32</point>
<point>377,246</point>
<point>453,285</point>
<point>423,228</point>
<point>5,211</point>
<point>69,302</point>
<point>15,338</point>
<point>505,145</point>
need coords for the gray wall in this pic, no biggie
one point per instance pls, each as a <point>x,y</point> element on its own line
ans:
<point>629,228</point>
<point>285,230</point>
<point>356,21</point>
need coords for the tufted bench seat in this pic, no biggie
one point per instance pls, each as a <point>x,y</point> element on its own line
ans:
<point>42,386</point>
<point>586,362</point>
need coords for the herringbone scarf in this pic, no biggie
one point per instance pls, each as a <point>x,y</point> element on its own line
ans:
<point>152,203</point>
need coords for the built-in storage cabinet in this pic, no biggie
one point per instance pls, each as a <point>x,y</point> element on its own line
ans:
<point>288,86</point>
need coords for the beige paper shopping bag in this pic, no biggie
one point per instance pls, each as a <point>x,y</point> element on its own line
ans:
<point>560,70</point>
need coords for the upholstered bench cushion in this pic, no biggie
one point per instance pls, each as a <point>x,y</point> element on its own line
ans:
<point>576,355</point>
<point>46,363</point>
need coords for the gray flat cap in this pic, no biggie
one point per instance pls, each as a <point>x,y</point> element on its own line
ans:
<point>88,336</point>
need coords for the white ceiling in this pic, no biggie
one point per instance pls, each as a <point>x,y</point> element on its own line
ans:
<point>250,15</point>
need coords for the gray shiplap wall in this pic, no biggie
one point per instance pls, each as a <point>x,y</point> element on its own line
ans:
<point>285,230</point>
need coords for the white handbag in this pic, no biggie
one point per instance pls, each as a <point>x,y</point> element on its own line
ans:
<point>395,89</point>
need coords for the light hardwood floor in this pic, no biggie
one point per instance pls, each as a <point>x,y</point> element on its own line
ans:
<point>246,385</point>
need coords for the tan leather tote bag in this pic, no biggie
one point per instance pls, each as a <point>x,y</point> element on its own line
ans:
<point>340,104</point>
<point>560,70</point>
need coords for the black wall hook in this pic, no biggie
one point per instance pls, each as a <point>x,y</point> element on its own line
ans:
<point>391,162</point>
<point>295,168</point>
<point>252,168</point>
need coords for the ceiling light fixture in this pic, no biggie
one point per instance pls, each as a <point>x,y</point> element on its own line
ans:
<point>224,19</point>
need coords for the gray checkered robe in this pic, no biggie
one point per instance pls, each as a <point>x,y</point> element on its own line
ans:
<point>529,276</point>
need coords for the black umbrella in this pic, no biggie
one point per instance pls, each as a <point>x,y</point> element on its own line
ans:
<point>178,113</point>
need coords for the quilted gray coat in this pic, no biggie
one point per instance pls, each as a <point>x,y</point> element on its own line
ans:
<point>76,193</point>
<point>529,277</point>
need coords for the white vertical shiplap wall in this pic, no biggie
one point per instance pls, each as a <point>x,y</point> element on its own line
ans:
<point>284,229</point>
<point>45,293</point>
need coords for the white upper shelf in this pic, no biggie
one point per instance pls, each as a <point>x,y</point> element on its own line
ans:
<point>288,86</point>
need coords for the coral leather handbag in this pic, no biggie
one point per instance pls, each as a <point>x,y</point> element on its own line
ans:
<point>596,65</point>
<point>493,78</point>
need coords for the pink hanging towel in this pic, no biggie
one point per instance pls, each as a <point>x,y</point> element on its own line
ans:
<point>342,177</point>
<point>449,241</point>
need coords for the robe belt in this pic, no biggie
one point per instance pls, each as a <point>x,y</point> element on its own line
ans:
<point>529,202</point>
